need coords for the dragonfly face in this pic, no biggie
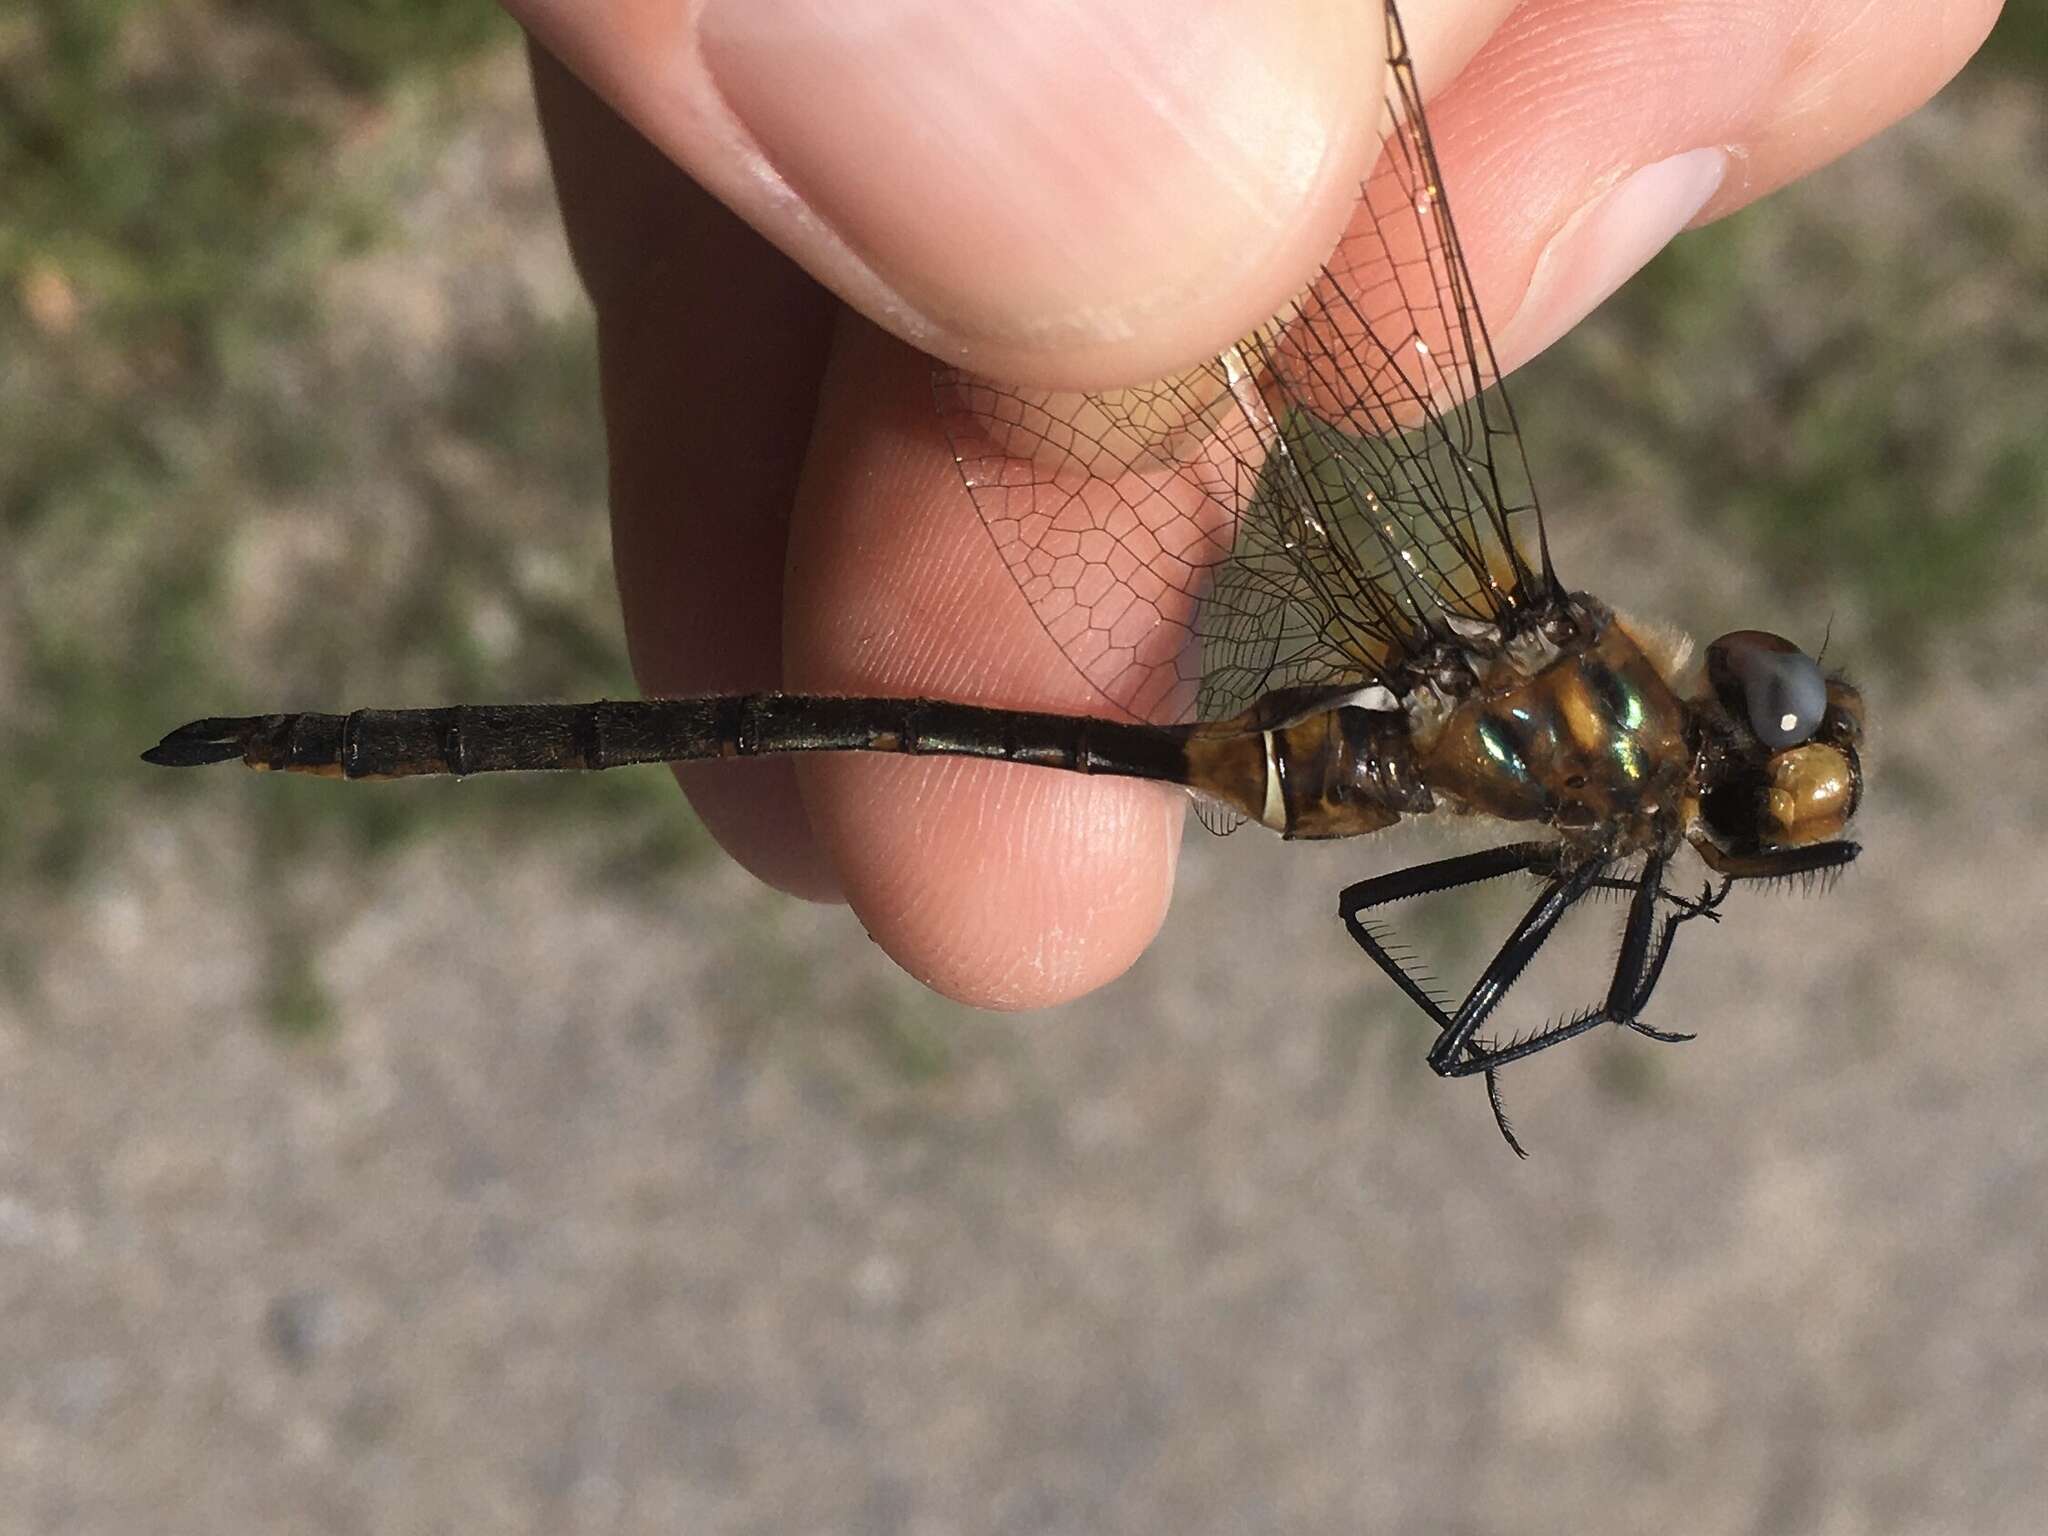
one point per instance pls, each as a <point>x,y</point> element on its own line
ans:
<point>1782,766</point>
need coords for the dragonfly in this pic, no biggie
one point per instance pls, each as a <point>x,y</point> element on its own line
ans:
<point>1310,582</point>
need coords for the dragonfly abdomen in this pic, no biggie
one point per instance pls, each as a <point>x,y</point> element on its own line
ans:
<point>496,738</point>
<point>1334,773</point>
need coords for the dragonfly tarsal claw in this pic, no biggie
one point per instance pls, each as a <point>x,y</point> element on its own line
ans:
<point>1666,1037</point>
<point>1705,905</point>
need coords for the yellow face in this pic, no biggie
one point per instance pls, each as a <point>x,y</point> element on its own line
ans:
<point>1810,797</point>
<point>1811,790</point>
<point>1794,774</point>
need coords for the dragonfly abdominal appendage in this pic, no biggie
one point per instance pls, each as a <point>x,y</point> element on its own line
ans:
<point>1308,580</point>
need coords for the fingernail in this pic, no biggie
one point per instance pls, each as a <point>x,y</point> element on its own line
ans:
<point>1044,174</point>
<point>1604,243</point>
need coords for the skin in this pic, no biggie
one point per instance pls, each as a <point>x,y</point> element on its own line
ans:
<point>768,217</point>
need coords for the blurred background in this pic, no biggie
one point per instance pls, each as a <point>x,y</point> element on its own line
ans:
<point>425,1157</point>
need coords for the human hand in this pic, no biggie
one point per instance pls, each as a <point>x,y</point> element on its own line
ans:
<point>1074,196</point>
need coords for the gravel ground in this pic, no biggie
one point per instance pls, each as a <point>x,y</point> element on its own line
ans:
<point>667,1205</point>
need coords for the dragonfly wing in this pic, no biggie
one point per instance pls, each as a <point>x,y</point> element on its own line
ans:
<point>1114,512</point>
<point>1383,383</point>
<point>1318,504</point>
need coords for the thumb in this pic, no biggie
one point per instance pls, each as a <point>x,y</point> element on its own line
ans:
<point>1066,192</point>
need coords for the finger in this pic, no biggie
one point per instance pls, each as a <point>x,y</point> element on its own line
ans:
<point>996,884</point>
<point>1045,192</point>
<point>1588,132</point>
<point>711,346</point>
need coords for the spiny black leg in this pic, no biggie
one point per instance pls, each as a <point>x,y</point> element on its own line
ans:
<point>1709,900</point>
<point>1492,1059</point>
<point>1633,1019</point>
<point>1444,875</point>
<point>1661,1036</point>
<point>1702,905</point>
<point>1424,880</point>
<point>1636,972</point>
<point>1777,863</point>
<point>1635,942</point>
<point>1643,952</point>
<point>1500,1115</point>
<point>1635,977</point>
<point>1402,977</point>
<point>1506,967</point>
<point>1688,907</point>
<point>1456,1031</point>
<point>1651,975</point>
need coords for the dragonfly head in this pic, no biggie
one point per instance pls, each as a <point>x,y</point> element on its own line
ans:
<point>1788,771</point>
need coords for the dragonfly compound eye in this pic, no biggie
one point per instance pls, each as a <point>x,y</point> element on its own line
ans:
<point>1768,682</point>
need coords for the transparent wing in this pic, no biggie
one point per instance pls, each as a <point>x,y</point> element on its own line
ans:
<point>1329,497</point>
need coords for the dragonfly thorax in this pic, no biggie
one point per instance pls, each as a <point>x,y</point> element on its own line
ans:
<point>1584,734</point>
<point>1594,742</point>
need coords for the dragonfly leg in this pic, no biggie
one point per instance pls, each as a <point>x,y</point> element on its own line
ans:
<point>1500,1115</point>
<point>1816,859</point>
<point>1706,906</point>
<point>1424,880</point>
<point>1453,1054</point>
<point>1644,950</point>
